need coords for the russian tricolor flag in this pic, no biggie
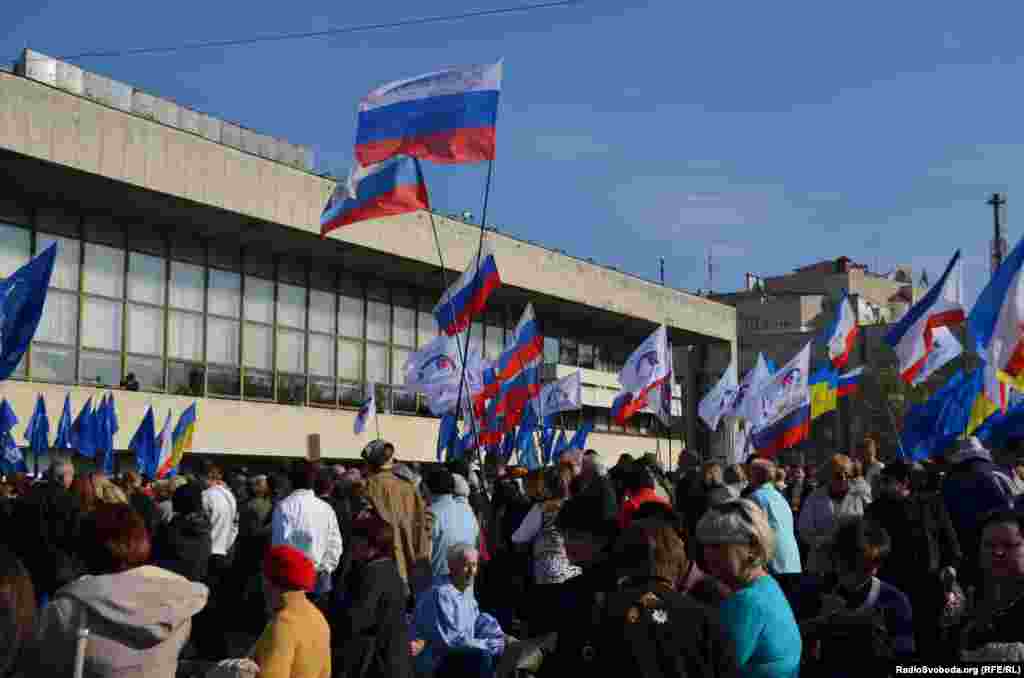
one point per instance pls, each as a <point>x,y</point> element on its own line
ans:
<point>447,116</point>
<point>843,336</point>
<point>391,187</point>
<point>849,383</point>
<point>786,402</point>
<point>911,335</point>
<point>467,297</point>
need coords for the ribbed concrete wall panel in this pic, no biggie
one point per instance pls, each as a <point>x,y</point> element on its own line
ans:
<point>70,78</point>
<point>144,104</point>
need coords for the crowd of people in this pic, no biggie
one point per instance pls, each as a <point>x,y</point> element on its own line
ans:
<point>388,569</point>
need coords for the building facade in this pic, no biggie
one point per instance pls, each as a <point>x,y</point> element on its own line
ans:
<point>195,264</point>
<point>778,315</point>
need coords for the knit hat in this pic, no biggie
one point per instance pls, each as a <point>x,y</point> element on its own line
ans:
<point>378,452</point>
<point>289,568</point>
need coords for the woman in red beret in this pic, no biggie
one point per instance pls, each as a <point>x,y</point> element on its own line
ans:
<point>297,641</point>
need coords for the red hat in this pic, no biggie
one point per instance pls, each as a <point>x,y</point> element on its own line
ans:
<point>289,568</point>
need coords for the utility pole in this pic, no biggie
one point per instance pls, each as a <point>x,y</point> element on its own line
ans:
<point>997,201</point>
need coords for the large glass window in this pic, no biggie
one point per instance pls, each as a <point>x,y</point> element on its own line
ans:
<point>568,354</point>
<point>377,364</point>
<point>259,300</point>
<point>15,245</point>
<point>187,282</point>
<point>101,324</point>
<point>259,346</point>
<point>350,316</point>
<point>185,336</point>
<point>65,268</point>
<point>59,324</point>
<point>321,311</point>
<point>225,293</point>
<point>149,372</point>
<point>145,330</point>
<point>291,306</point>
<point>586,356</point>
<point>224,381</point>
<point>291,352</point>
<point>224,337</point>
<point>104,270</point>
<point>53,363</point>
<point>551,350</point>
<point>146,278</point>
<point>426,328</point>
<point>350,360</point>
<point>321,355</point>
<point>378,321</point>
<point>405,326</point>
<point>101,369</point>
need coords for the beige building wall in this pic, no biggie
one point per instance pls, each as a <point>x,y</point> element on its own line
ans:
<point>266,429</point>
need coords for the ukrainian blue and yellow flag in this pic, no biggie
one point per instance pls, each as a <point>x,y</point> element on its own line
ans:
<point>181,442</point>
<point>824,386</point>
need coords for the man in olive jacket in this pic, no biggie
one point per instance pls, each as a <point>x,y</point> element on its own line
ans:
<point>398,502</point>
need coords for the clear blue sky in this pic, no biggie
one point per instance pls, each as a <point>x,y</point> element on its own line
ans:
<point>777,134</point>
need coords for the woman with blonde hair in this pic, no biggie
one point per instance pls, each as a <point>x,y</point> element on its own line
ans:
<point>827,508</point>
<point>107,492</point>
<point>738,543</point>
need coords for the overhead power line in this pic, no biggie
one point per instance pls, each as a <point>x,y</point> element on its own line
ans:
<point>317,34</point>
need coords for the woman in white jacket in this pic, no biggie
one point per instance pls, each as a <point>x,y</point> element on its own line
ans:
<point>827,508</point>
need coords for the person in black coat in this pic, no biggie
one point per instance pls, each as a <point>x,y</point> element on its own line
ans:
<point>184,545</point>
<point>369,633</point>
<point>48,524</point>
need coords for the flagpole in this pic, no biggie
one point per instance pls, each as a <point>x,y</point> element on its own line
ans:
<point>476,284</point>
<point>463,351</point>
<point>892,419</point>
<point>376,418</point>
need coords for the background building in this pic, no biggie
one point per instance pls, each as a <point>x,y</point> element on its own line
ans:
<point>190,256</point>
<point>778,315</point>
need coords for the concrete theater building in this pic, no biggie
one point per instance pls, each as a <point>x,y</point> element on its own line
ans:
<point>190,256</point>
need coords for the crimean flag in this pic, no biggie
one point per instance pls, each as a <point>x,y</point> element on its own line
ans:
<point>912,336</point>
<point>843,336</point>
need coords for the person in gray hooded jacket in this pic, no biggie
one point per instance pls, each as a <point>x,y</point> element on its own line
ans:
<point>138,616</point>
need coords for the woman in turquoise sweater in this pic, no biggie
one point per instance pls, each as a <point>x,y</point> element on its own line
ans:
<point>738,543</point>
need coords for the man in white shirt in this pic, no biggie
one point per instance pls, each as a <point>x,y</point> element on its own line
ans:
<point>220,507</point>
<point>309,524</point>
